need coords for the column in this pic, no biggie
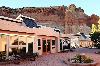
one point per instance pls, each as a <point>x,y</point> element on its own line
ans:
<point>7,45</point>
<point>62,44</point>
<point>18,43</point>
<point>50,45</point>
<point>58,43</point>
<point>46,45</point>
<point>0,43</point>
<point>26,45</point>
<point>33,44</point>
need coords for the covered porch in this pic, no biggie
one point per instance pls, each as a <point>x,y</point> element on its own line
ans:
<point>14,42</point>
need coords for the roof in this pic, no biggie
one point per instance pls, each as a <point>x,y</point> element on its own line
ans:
<point>4,25</point>
<point>63,35</point>
<point>82,38</point>
<point>20,16</point>
<point>10,26</point>
<point>9,19</point>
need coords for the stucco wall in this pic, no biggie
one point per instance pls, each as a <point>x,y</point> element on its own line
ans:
<point>46,38</point>
<point>86,43</point>
<point>2,43</point>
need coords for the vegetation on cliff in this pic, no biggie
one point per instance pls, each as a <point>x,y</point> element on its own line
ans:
<point>54,16</point>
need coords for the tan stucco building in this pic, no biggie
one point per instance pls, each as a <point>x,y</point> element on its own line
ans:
<point>15,33</point>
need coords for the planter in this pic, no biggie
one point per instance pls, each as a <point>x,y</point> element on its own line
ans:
<point>82,60</point>
<point>83,64</point>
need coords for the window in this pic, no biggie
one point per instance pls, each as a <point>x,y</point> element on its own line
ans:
<point>53,42</point>
<point>53,47</point>
<point>39,48</point>
<point>39,42</point>
<point>29,22</point>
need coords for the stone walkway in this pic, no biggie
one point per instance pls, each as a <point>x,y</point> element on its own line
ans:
<point>57,59</point>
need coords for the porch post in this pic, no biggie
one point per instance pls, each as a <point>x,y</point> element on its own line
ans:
<point>33,44</point>
<point>46,45</point>
<point>18,43</point>
<point>62,44</point>
<point>26,45</point>
<point>0,43</point>
<point>7,45</point>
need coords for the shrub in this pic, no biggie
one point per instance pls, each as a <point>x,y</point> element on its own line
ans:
<point>81,59</point>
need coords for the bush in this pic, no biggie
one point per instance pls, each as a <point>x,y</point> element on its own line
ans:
<point>81,59</point>
<point>95,37</point>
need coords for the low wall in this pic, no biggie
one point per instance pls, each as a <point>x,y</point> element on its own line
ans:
<point>83,64</point>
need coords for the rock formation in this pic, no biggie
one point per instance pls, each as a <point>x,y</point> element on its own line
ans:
<point>75,20</point>
<point>68,19</point>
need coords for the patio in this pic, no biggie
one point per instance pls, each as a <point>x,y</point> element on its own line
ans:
<point>58,58</point>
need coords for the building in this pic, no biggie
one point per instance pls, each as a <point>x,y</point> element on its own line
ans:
<point>23,32</point>
<point>85,41</point>
<point>79,40</point>
<point>82,40</point>
<point>64,42</point>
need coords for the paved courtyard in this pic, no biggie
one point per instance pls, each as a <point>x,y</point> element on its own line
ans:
<point>58,58</point>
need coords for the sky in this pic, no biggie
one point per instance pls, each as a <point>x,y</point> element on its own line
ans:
<point>90,6</point>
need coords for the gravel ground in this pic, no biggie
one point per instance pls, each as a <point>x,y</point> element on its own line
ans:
<point>58,59</point>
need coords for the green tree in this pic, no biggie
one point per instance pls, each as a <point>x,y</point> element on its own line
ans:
<point>95,37</point>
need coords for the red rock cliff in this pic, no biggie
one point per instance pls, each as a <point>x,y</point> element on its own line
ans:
<point>68,19</point>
